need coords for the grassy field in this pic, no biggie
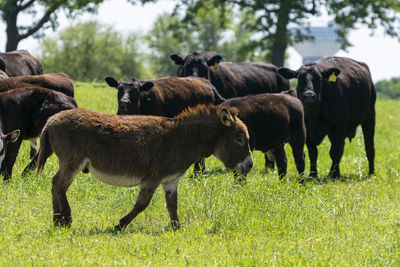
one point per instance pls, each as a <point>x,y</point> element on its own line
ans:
<point>351,221</point>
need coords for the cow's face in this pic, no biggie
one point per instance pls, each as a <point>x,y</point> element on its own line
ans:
<point>195,64</point>
<point>4,140</point>
<point>310,81</point>
<point>233,148</point>
<point>128,93</point>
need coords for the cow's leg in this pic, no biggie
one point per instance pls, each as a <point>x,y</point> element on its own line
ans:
<point>313,155</point>
<point>142,201</point>
<point>34,148</point>
<point>31,166</point>
<point>171,199</point>
<point>298,155</point>
<point>281,161</point>
<point>368,128</point>
<point>9,158</point>
<point>199,167</point>
<point>60,184</point>
<point>269,160</point>
<point>336,153</point>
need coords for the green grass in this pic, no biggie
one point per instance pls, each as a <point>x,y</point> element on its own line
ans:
<point>350,221</point>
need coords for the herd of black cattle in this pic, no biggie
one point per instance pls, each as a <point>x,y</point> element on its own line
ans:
<point>337,95</point>
<point>333,96</point>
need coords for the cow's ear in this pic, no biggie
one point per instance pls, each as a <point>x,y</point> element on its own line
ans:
<point>177,59</point>
<point>111,81</point>
<point>146,86</point>
<point>12,137</point>
<point>287,73</point>
<point>214,60</point>
<point>331,74</point>
<point>225,117</point>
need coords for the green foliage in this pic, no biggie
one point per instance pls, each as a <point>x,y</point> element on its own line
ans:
<point>43,14</point>
<point>351,221</point>
<point>388,88</point>
<point>90,51</point>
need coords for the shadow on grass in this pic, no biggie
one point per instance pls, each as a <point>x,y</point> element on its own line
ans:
<point>328,179</point>
<point>130,229</point>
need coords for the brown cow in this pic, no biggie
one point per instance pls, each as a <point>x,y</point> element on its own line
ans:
<point>26,111</point>
<point>20,62</point>
<point>338,95</point>
<point>140,150</point>
<point>56,81</point>
<point>162,97</point>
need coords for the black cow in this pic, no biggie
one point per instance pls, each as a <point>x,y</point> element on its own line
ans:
<point>23,114</point>
<point>20,62</point>
<point>273,120</point>
<point>232,79</point>
<point>162,97</point>
<point>338,95</point>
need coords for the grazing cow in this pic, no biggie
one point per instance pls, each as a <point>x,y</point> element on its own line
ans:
<point>162,97</point>
<point>20,62</point>
<point>26,111</point>
<point>140,150</point>
<point>232,79</point>
<point>272,120</point>
<point>56,81</point>
<point>338,95</point>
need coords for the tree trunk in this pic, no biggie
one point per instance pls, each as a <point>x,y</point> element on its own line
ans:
<point>13,36</point>
<point>280,39</point>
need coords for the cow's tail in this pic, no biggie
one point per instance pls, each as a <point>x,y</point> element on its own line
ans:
<point>218,99</point>
<point>45,151</point>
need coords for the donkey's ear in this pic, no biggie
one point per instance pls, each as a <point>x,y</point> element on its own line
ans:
<point>225,117</point>
<point>287,73</point>
<point>111,81</point>
<point>12,137</point>
<point>146,86</point>
<point>177,59</point>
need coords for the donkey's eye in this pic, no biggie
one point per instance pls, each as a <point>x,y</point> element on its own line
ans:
<point>239,140</point>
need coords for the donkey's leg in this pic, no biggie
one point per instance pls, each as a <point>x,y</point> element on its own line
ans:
<point>368,128</point>
<point>171,198</point>
<point>142,201</point>
<point>61,209</point>
<point>269,160</point>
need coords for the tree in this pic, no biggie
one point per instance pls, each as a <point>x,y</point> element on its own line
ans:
<point>43,15</point>
<point>274,17</point>
<point>206,29</point>
<point>90,51</point>
<point>388,88</point>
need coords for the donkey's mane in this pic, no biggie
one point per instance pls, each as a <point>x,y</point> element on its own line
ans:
<point>203,111</point>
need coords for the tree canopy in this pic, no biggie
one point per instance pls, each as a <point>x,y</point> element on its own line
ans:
<point>43,14</point>
<point>90,51</point>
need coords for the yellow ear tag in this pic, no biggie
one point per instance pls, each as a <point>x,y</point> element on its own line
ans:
<point>332,77</point>
<point>215,67</point>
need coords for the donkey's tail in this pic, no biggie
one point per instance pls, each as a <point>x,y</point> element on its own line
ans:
<point>45,151</point>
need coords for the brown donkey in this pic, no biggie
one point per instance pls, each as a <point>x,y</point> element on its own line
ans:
<point>140,150</point>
